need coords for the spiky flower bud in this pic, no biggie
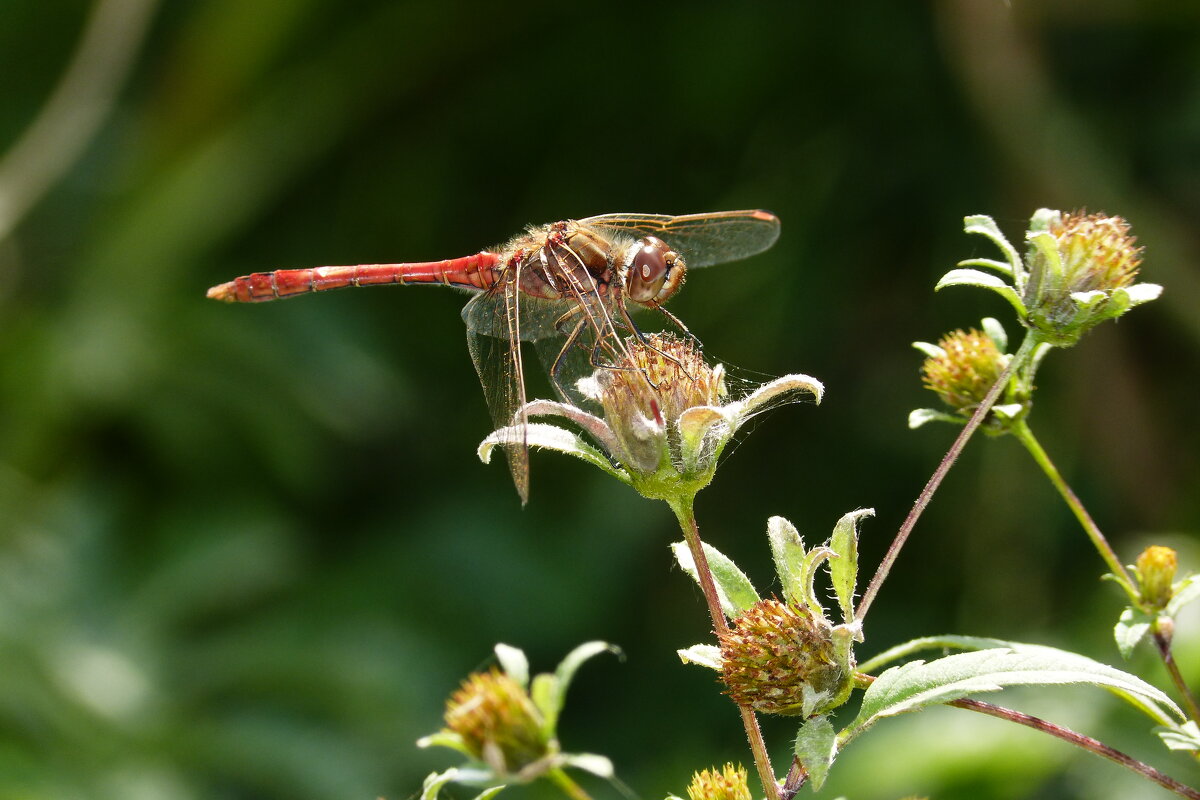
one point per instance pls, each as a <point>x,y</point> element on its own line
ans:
<point>966,368</point>
<point>646,393</point>
<point>730,783</point>
<point>497,721</point>
<point>1155,571</point>
<point>779,658</point>
<point>1076,264</point>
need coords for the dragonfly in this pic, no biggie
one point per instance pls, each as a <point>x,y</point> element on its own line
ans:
<point>568,287</point>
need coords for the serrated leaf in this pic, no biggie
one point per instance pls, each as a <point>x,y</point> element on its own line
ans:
<point>843,569</point>
<point>734,589</point>
<point>787,550</point>
<point>816,747</point>
<point>514,663</point>
<point>1130,629</point>
<point>919,684</point>
<point>704,655</point>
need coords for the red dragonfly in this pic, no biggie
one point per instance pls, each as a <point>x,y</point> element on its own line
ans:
<point>564,286</point>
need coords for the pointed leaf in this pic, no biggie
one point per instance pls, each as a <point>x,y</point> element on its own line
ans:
<point>598,765</point>
<point>556,692</point>
<point>995,331</point>
<point>919,416</point>
<point>919,684</point>
<point>1181,737</point>
<point>734,589</point>
<point>816,747</point>
<point>1131,628</point>
<point>549,437</point>
<point>514,663</point>
<point>1184,592</point>
<point>984,225</point>
<point>705,655</point>
<point>844,568</point>
<point>787,550</point>
<point>930,350</point>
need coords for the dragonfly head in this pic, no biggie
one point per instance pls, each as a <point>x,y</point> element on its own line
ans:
<point>653,271</point>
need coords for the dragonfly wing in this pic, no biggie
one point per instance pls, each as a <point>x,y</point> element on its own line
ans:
<point>498,362</point>
<point>703,239</point>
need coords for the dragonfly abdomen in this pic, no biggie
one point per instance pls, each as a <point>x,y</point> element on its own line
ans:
<point>475,272</point>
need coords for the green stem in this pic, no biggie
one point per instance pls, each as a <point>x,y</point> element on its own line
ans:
<point>1017,362</point>
<point>1162,643</point>
<point>691,534</point>
<point>568,785</point>
<point>1025,436</point>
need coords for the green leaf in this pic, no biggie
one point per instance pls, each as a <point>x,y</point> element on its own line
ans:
<point>787,550</point>
<point>598,765</point>
<point>929,350</point>
<point>1131,628</point>
<point>920,684</point>
<point>1181,737</point>
<point>448,739</point>
<point>843,569</point>
<point>919,416</point>
<point>514,663</point>
<point>983,280</point>
<point>734,589</point>
<point>704,655</point>
<point>549,437</point>
<point>995,331</point>
<point>1184,592</point>
<point>816,747</point>
<point>437,780</point>
<point>547,698</point>
<point>554,693</point>
<point>984,225</point>
<point>490,792</point>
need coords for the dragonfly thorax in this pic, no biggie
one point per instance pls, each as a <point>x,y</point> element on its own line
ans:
<point>653,271</point>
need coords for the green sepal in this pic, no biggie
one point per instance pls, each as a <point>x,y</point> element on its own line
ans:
<point>552,693</point>
<point>787,550</point>
<point>843,569</point>
<point>1182,593</point>
<point>704,655</point>
<point>984,225</point>
<point>734,589</point>
<point>1181,737</point>
<point>816,747</point>
<point>514,663</point>
<point>1130,629</point>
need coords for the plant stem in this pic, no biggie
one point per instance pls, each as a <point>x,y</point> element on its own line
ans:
<point>889,558</point>
<point>691,534</point>
<point>1162,643</point>
<point>1079,740</point>
<point>568,785</point>
<point>1025,436</point>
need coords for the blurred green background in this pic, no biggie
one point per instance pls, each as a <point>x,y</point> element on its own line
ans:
<point>248,551</point>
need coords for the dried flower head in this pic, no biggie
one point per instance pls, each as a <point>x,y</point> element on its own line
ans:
<point>1078,271</point>
<point>730,783</point>
<point>497,721</point>
<point>1155,571</point>
<point>779,658</point>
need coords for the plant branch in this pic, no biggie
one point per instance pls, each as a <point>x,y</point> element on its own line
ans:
<point>1025,435</point>
<point>1162,643</point>
<point>889,558</point>
<point>691,534</point>
<point>74,111</point>
<point>1079,740</point>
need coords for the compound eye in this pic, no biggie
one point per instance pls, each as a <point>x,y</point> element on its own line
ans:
<point>648,269</point>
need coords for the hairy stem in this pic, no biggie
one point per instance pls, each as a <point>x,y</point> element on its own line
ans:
<point>691,534</point>
<point>889,558</point>
<point>1079,740</point>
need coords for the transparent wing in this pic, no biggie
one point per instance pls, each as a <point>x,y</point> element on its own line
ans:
<point>703,239</point>
<point>494,339</point>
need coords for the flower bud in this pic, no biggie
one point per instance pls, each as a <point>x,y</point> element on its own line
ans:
<point>1155,571</point>
<point>968,366</point>
<point>497,721</point>
<point>779,658</point>
<point>1076,265</point>
<point>729,784</point>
